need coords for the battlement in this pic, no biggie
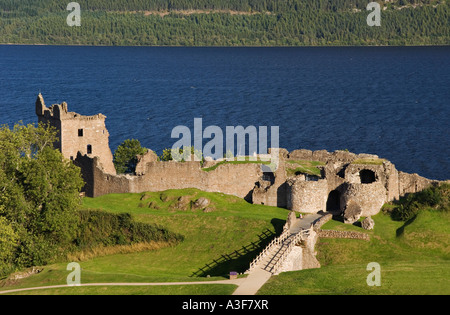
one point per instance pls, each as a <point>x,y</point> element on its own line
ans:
<point>61,112</point>
<point>77,133</point>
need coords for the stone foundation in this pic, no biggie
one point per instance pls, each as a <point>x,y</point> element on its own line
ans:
<point>344,234</point>
<point>370,197</point>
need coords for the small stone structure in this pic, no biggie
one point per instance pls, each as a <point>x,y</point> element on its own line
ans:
<point>368,223</point>
<point>345,178</point>
<point>352,212</point>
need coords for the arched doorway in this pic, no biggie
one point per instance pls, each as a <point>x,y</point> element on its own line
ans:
<point>334,202</point>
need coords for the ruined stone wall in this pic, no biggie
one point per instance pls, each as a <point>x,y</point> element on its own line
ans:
<point>392,181</point>
<point>370,197</point>
<point>233,179</point>
<point>352,173</point>
<point>324,156</point>
<point>307,196</point>
<point>323,219</point>
<point>97,182</point>
<point>412,183</point>
<point>143,160</point>
<point>333,172</point>
<point>344,234</point>
<point>302,154</point>
<point>386,174</point>
<point>87,165</point>
<point>78,133</point>
<point>272,194</point>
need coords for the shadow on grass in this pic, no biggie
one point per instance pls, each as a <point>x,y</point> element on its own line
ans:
<point>239,260</point>
<point>399,232</point>
<point>340,218</point>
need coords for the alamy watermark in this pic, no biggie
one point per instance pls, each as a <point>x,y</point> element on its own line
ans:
<point>234,150</point>
<point>74,17</point>
<point>374,18</point>
<point>74,278</point>
<point>374,278</point>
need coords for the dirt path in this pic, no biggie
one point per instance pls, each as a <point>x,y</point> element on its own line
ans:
<point>237,282</point>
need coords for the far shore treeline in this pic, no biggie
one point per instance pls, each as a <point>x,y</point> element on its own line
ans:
<point>225,23</point>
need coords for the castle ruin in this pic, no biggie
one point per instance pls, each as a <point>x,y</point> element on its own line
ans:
<point>77,133</point>
<point>305,181</point>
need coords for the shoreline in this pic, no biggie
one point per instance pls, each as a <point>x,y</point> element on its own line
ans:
<point>219,46</point>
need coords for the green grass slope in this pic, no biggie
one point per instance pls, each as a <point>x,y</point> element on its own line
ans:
<point>413,256</point>
<point>225,239</point>
<point>227,234</point>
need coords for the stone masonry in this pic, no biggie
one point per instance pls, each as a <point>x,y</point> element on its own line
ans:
<point>77,133</point>
<point>345,177</point>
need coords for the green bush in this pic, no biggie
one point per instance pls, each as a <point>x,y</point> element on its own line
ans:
<point>125,156</point>
<point>99,228</point>
<point>36,250</point>
<point>435,197</point>
<point>182,154</point>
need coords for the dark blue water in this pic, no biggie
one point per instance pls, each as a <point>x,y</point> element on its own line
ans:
<point>389,101</point>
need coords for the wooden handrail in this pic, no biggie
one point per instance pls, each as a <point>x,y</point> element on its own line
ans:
<point>280,241</point>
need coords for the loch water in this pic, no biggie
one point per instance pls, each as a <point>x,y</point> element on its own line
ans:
<point>389,101</point>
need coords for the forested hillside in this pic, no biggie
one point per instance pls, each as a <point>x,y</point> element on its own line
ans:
<point>225,23</point>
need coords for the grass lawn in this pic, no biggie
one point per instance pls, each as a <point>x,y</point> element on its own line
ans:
<point>247,161</point>
<point>215,243</point>
<point>295,167</point>
<point>413,258</point>
<point>369,161</point>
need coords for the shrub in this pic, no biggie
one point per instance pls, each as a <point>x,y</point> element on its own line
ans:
<point>435,197</point>
<point>125,156</point>
<point>181,154</point>
<point>99,228</point>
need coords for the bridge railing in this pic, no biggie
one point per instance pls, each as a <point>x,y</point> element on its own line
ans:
<point>277,242</point>
<point>295,239</point>
<point>274,243</point>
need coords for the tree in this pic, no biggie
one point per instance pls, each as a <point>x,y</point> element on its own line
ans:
<point>125,157</point>
<point>8,244</point>
<point>39,193</point>
<point>271,22</point>
<point>182,154</point>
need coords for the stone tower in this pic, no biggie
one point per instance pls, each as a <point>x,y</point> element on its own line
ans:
<point>77,133</point>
